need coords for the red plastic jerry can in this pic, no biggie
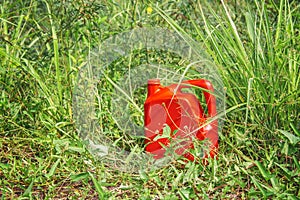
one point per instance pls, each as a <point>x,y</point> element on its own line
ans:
<point>183,113</point>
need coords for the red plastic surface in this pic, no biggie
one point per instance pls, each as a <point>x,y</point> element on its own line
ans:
<point>183,113</point>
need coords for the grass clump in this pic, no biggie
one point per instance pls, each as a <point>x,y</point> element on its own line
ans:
<point>255,46</point>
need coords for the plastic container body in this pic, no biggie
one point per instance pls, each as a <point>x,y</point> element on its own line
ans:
<point>183,113</point>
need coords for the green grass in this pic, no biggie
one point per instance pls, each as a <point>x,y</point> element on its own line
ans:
<point>255,46</point>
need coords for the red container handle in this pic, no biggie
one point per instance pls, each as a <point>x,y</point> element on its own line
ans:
<point>212,112</point>
<point>209,97</point>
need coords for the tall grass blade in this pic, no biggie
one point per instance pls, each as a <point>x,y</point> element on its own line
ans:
<point>56,53</point>
<point>97,186</point>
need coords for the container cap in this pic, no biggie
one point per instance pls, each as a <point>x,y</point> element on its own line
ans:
<point>154,81</point>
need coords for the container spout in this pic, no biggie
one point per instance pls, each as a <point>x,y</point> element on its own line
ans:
<point>153,86</point>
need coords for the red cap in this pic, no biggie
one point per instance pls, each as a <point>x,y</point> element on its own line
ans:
<point>155,81</point>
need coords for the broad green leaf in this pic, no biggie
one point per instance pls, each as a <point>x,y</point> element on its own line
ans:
<point>293,139</point>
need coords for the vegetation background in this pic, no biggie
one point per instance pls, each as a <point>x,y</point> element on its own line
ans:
<point>254,44</point>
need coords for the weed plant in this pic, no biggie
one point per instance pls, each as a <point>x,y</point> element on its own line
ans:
<point>255,46</point>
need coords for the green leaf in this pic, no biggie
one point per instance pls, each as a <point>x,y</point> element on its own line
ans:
<point>97,186</point>
<point>79,177</point>
<point>184,194</point>
<point>260,187</point>
<point>166,133</point>
<point>296,161</point>
<point>178,178</point>
<point>288,173</point>
<point>53,168</point>
<point>275,183</point>
<point>263,170</point>
<point>250,27</point>
<point>143,175</point>
<point>76,149</point>
<point>295,129</point>
<point>4,166</point>
<point>293,139</point>
<point>28,190</point>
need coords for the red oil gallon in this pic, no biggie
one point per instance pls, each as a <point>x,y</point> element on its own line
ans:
<point>183,113</point>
